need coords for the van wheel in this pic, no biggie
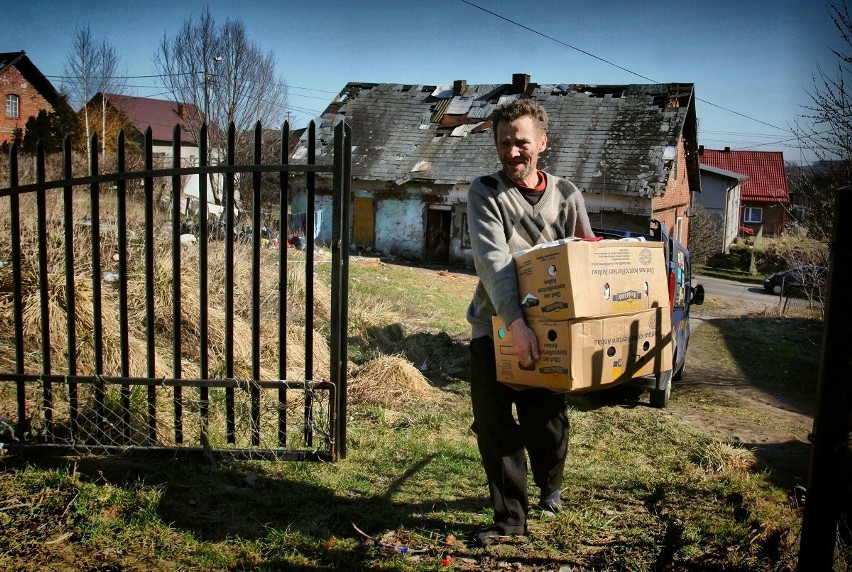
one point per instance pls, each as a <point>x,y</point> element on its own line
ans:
<point>660,397</point>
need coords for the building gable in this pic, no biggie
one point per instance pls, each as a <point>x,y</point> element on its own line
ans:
<point>21,78</point>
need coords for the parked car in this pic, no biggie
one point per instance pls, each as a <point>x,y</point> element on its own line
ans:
<point>809,278</point>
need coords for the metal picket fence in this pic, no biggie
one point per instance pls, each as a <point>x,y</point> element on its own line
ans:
<point>120,337</point>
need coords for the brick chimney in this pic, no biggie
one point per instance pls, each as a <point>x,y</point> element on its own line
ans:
<point>459,87</point>
<point>520,82</point>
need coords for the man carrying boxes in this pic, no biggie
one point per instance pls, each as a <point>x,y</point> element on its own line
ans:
<point>510,211</point>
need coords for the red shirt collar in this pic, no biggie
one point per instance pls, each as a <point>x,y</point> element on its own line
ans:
<point>540,186</point>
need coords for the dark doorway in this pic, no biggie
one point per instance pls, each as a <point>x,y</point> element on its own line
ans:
<point>438,222</point>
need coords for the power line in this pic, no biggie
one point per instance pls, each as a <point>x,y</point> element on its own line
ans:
<point>613,64</point>
<point>567,45</point>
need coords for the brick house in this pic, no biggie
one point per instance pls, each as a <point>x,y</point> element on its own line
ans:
<point>765,198</point>
<point>25,92</point>
<point>631,149</point>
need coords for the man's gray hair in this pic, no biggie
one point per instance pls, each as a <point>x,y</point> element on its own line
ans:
<point>516,109</point>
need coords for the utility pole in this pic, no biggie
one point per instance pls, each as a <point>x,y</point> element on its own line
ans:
<point>830,437</point>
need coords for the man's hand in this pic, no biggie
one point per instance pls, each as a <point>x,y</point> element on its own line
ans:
<point>525,342</point>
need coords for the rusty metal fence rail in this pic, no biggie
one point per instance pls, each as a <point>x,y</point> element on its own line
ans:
<point>118,336</point>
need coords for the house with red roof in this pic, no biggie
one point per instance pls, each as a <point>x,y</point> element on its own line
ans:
<point>25,92</point>
<point>161,116</point>
<point>764,196</point>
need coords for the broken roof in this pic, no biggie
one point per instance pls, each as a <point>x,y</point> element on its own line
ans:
<point>606,139</point>
<point>767,178</point>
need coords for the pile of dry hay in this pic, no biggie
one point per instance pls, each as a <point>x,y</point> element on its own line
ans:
<point>390,380</point>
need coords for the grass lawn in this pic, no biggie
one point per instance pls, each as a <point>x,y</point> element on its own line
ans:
<point>642,490</point>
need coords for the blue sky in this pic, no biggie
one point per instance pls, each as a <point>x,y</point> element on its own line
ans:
<point>754,58</point>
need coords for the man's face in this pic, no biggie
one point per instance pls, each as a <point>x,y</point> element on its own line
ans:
<point>518,146</point>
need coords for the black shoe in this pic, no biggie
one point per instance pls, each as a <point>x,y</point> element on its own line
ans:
<point>550,504</point>
<point>498,532</point>
<point>549,509</point>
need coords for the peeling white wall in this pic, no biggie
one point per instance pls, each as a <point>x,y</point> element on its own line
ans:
<point>399,227</point>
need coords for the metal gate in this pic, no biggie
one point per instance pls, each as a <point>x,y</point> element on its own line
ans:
<point>122,333</point>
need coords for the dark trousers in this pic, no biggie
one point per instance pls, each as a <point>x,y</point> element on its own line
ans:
<point>541,429</point>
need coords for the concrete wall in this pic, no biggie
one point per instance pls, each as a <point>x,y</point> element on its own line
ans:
<point>714,191</point>
<point>720,196</point>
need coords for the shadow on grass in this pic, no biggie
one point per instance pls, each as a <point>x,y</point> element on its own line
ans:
<point>779,357</point>
<point>442,359</point>
<point>786,462</point>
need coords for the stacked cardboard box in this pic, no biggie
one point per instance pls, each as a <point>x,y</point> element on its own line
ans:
<point>600,310</point>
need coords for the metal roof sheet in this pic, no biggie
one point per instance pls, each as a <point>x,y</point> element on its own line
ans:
<point>767,178</point>
<point>161,115</point>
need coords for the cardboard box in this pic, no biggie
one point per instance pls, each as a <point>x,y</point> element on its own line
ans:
<point>569,279</point>
<point>589,353</point>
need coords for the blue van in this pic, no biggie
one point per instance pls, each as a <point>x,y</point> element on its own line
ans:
<point>682,295</point>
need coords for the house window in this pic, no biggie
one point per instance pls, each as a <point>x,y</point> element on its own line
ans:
<point>679,229</point>
<point>465,232</point>
<point>753,215</point>
<point>12,106</point>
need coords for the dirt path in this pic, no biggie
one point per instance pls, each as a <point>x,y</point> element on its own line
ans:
<point>715,398</point>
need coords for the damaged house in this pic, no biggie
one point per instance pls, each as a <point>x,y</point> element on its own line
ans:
<point>631,149</point>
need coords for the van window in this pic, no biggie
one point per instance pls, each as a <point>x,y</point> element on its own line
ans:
<point>681,280</point>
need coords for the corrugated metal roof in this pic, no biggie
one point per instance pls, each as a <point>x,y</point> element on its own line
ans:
<point>459,104</point>
<point>767,178</point>
<point>606,139</point>
<point>161,115</point>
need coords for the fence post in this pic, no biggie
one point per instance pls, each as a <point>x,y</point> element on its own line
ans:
<point>830,435</point>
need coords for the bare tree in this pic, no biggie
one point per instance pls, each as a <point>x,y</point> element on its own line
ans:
<point>81,72</point>
<point>705,233</point>
<point>826,130</point>
<point>91,68</point>
<point>225,75</point>
<point>109,82</point>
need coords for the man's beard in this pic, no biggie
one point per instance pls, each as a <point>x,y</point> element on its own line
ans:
<point>515,176</point>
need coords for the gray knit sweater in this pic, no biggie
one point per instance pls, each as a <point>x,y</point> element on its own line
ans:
<point>501,222</point>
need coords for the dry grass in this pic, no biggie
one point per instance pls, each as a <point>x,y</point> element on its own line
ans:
<point>163,314</point>
<point>721,457</point>
<point>390,381</point>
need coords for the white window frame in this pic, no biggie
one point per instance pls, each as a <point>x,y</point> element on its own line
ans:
<point>13,110</point>
<point>749,215</point>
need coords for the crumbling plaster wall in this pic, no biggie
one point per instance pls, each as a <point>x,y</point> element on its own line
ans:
<point>400,226</point>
